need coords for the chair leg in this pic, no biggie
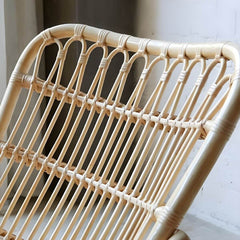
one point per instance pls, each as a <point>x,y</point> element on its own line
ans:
<point>179,235</point>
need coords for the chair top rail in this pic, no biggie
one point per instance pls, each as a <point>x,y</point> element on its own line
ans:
<point>154,47</point>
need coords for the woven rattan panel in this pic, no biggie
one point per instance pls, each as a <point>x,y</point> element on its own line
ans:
<point>119,187</point>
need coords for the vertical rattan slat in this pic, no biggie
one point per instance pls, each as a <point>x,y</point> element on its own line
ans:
<point>117,169</point>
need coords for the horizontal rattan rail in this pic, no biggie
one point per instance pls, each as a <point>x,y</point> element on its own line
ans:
<point>119,110</point>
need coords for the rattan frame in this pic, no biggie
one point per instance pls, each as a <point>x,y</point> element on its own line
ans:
<point>166,214</point>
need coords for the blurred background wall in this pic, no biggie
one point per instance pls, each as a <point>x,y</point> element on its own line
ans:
<point>3,65</point>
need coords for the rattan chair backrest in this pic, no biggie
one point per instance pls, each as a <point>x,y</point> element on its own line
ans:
<point>133,161</point>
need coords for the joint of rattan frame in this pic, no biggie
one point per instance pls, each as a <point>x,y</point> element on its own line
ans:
<point>166,215</point>
<point>122,41</point>
<point>78,30</point>
<point>223,127</point>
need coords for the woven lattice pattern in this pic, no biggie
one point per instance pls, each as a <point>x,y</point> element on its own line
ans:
<point>115,163</point>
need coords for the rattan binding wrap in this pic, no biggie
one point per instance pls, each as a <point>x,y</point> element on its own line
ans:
<point>129,183</point>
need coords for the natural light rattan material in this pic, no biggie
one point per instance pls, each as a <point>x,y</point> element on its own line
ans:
<point>144,199</point>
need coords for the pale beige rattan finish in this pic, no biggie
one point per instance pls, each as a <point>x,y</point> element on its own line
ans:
<point>141,200</point>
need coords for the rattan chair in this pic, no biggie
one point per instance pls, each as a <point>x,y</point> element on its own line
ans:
<point>135,165</point>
